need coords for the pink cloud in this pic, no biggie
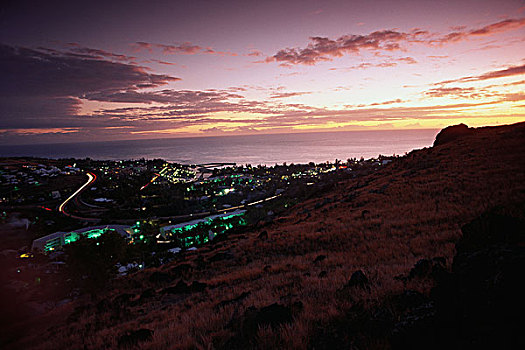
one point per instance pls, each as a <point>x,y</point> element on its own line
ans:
<point>507,72</point>
<point>321,49</point>
<point>140,46</point>
<point>491,29</point>
<point>288,94</point>
<point>185,48</point>
<point>254,53</point>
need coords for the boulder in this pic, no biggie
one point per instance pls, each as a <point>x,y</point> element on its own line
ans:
<point>358,279</point>
<point>319,258</point>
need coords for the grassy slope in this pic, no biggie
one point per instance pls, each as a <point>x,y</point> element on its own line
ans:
<point>381,224</point>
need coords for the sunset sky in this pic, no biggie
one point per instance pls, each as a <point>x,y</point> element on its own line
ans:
<point>105,70</point>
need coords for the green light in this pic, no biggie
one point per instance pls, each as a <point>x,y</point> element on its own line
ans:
<point>141,237</point>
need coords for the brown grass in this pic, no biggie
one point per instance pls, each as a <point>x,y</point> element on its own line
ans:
<point>423,201</point>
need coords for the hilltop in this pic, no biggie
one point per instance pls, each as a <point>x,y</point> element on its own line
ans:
<point>367,263</point>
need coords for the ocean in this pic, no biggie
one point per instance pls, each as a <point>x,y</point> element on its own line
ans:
<point>269,149</point>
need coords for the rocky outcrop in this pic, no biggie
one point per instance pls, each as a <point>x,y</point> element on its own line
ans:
<point>478,304</point>
<point>452,133</point>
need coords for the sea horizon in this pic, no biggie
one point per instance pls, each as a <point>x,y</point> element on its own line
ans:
<point>265,149</point>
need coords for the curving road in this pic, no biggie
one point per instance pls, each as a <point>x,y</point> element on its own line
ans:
<point>91,178</point>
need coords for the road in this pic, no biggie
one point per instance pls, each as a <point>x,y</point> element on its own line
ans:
<point>203,214</point>
<point>91,179</point>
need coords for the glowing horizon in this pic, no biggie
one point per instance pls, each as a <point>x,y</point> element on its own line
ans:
<point>176,70</point>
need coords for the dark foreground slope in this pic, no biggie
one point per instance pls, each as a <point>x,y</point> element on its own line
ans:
<point>370,264</point>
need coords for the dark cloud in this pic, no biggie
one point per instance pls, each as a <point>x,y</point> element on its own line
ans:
<point>28,72</point>
<point>288,94</point>
<point>384,103</point>
<point>185,48</point>
<point>44,87</point>
<point>164,62</point>
<point>460,92</point>
<point>141,45</point>
<point>391,62</point>
<point>507,72</point>
<point>90,53</point>
<point>461,33</point>
<point>324,49</point>
<point>189,97</point>
<point>502,26</point>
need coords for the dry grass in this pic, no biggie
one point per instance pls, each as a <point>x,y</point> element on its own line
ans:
<point>411,209</point>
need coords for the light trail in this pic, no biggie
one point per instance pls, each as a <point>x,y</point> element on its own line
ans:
<point>249,204</point>
<point>91,178</point>
<point>154,178</point>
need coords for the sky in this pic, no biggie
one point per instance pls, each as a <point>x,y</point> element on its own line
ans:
<point>109,70</point>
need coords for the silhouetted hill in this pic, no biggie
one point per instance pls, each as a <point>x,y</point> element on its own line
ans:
<point>353,268</point>
<point>452,133</point>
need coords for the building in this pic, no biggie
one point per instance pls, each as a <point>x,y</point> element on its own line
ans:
<point>201,231</point>
<point>57,240</point>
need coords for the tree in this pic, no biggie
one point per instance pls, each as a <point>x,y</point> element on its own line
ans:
<point>91,262</point>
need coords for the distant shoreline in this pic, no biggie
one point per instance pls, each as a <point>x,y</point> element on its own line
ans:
<point>267,149</point>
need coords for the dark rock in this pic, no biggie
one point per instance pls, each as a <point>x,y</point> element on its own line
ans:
<point>380,190</point>
<point>103,306</point>
<point>272,315</point>
<point>198,286</point>
<point>415,329</point>
<point>133,338</point>
<point>350,197</point>
<point>122,298</point>
<point>452,133</point>
<point>491,228</point>
<point>77,312</point>
<point>408,300</point>
<point>181,269</point>
<point>160,277</point>
<point>358,279</point>
<point>319,258</point>
<point>245,327</point>
<point>421,269</point>
<point>147,294</point>
<point>428,268</point>
<point>477,304</point>
<point>439,261</point>
<point>263,235</point>
<point>237,299</point>
<point>221,256</point>
<point>181,287</point>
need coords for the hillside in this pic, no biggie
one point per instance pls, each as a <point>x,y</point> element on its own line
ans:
<point>341,270</point>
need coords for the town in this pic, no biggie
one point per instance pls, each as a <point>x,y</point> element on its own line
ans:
<point>155,208</point>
